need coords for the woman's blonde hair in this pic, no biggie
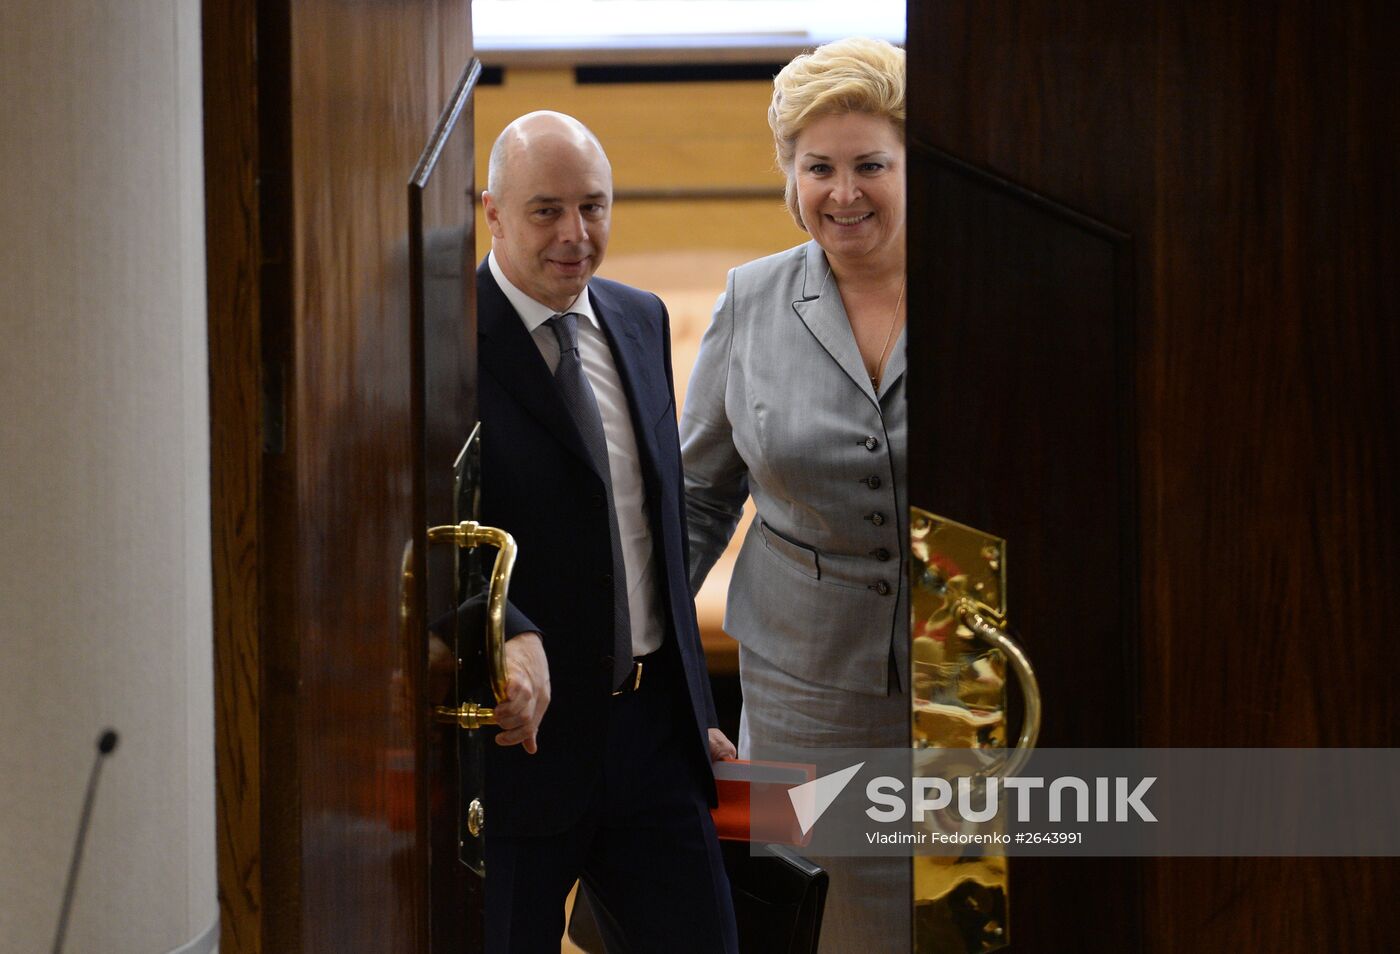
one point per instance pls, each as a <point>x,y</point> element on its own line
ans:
<point>854,75</point>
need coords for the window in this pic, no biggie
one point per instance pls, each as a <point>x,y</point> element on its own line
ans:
<point>696,29</point>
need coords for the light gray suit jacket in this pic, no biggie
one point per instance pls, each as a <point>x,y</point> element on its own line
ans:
<point>780,407</point>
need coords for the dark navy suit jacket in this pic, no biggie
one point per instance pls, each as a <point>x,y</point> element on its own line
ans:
<point>538,484</point>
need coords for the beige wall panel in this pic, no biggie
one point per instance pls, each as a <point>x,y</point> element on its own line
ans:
<point>760,226</point>
<point>104,507</point>
<point>657,134</point>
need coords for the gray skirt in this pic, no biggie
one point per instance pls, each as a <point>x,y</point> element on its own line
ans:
<point>869,903</point>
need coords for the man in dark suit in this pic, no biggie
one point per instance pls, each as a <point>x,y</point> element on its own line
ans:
<point>581,463</point>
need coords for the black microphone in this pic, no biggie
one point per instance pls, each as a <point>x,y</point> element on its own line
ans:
<point>106,742</point>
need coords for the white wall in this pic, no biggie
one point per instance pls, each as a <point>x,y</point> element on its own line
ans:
<point>104,490</point>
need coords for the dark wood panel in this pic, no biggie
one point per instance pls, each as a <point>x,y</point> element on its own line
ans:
<point>1251,167</point>
<point>279,529</point>
<point>1022,402</point>
<point>231,227</point>
<point>1275,286</point>
<point>1249,152</point>
<point>1027,409</point>
<point>368,82</point>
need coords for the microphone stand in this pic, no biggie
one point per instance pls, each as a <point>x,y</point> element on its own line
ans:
<point>105,744</point>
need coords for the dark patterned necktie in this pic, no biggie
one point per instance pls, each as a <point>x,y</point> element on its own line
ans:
<point>583,407</point>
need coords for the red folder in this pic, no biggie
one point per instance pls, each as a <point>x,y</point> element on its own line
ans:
<point>754,803</point>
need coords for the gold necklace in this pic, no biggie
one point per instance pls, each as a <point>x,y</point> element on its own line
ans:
<point>894,320</point>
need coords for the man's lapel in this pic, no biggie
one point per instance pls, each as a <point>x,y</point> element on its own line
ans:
<point>510,355</point>
<point>637,369</point>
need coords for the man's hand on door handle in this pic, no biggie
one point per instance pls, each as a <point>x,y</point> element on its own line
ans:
<point>527,692</point>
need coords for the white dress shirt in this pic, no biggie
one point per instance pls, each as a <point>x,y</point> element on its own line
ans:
<point>629,497</point>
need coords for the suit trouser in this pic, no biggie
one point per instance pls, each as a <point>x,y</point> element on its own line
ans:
<point>645,846</point>
<point>868,901</point>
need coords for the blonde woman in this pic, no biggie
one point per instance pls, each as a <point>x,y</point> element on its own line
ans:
<point>797,399</point>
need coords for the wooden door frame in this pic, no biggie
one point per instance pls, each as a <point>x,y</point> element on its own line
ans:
<point>232,154</point>
<point>247,213</point>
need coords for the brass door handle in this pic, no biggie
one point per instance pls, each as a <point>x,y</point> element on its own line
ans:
<point>988,631</point>
<point>469,715</point>
<point>959,650</point>
<point>958,583</point>
<point>468,535</point>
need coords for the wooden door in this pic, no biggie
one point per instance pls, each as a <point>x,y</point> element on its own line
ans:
<point>447,491</point>
<point>316,113</point>
<point>1153,325</point>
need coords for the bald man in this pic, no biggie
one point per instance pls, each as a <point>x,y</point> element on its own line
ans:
<point>581,463</point>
